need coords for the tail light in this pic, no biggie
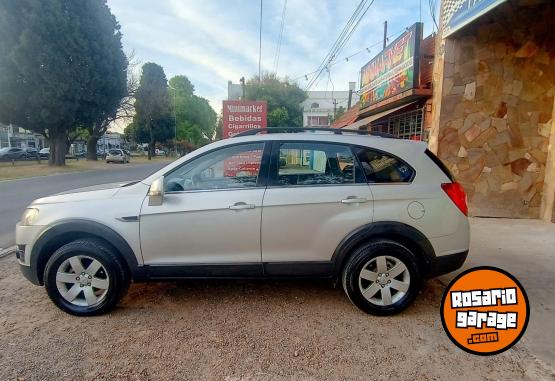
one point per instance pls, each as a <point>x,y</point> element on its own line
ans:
<point>456,193</point>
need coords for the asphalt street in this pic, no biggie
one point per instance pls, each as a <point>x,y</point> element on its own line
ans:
<point>15,195</point>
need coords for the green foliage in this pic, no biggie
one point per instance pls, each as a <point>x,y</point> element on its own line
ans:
<point>278,117</point>
<point>195,119</point>
<point>61,65</point>
<point>153,121</point>
<point>338,113</point>
<point>281,96</point>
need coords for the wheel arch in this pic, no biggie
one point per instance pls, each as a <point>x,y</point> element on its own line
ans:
<point>406,235</point>
<point>66,231</point>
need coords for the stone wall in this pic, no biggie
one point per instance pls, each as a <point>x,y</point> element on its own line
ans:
<point>497,99</point>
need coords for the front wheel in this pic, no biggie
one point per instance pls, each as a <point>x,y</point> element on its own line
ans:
<point>382,278</point>
<point>85,277</point>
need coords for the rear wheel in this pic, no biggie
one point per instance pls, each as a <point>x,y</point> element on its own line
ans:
<point>382,278</point>
<point>85,277</point>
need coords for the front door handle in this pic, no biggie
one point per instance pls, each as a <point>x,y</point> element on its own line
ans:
<point>354,200</point>
<point>241,205</point>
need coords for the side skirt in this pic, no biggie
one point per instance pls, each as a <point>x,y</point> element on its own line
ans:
<point>237,271</point>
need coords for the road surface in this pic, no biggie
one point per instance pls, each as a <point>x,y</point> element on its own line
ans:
<point>15,195</point>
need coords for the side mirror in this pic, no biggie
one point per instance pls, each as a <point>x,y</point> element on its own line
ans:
<point>156,192</point>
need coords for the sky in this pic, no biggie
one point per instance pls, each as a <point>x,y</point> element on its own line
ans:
<point>213,41</point>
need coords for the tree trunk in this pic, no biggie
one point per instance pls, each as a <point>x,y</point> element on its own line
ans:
<point>151,143</point>
<point>91,148</point>
<point>58,148</point>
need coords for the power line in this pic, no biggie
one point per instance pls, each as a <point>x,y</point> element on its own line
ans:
<point>432,4</point>
<point>343,38</point>
<point>354,54</point>
<point>281,29</point>
<point>333,50</point>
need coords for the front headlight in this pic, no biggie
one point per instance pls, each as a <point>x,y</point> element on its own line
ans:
<point>29,216</point>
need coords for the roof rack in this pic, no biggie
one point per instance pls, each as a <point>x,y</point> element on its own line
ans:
<point>336,131</point>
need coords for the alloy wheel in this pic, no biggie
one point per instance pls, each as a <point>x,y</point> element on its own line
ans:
<point>384,280</point>
<point>82,281</point>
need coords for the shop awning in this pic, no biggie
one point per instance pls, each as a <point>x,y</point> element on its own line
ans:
<point>371,118</point>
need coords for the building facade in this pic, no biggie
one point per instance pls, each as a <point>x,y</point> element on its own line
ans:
<point>320,108</point>
<point>396,89</point>
<point>493,103</point>
<point>13,136</point>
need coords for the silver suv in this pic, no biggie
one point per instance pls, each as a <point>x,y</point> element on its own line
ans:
<point>379,215</point>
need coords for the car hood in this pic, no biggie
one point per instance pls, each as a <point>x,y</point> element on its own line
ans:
<point>85,193</point>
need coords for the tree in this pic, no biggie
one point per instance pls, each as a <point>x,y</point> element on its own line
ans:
<point>338,114</point>
<point>278,117</point>
<point>118,104</point>
<point>196,120</point>
<point>284,99</point>
<point>52,63</point>
<point>152,121</point>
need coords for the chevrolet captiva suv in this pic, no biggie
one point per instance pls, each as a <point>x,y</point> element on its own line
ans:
<point>376,214</point>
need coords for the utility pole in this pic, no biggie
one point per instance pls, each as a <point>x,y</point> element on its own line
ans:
<point>334,107</point>
<point>242,81</point>
<point>260,46</point>
<point>384,34</point>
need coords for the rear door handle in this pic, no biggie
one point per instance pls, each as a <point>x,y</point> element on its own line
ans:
<point>241,205</point>
<point>354,200</point>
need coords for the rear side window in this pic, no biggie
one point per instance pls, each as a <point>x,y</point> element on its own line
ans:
<point>313,163</point>
<point>114,152</point>
<point>441,165</point>
<point>380,167</point>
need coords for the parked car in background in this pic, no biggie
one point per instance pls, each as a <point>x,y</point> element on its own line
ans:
<point>128,154</point>
<point>116,155</point>
<point>377,215</point>
<point>44,153</point>
<point>31,153</point>
<point>160,152</point>
<point>12,153</point>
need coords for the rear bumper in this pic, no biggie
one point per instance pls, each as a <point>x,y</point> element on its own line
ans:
<point>446,263</point>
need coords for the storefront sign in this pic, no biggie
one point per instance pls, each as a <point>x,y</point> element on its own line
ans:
<point>392,71</point>
<point>458,13</point>
<point>240,116</point>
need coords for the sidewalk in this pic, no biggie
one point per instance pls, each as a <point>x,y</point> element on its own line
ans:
<point>526,249</point>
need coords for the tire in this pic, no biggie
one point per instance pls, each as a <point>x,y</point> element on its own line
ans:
<point>103,267</point>
<point>384,293</point>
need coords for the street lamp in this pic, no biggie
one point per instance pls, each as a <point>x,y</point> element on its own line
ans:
<point>174,119</point>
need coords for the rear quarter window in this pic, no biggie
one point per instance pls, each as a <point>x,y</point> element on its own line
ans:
<point>381,167</point>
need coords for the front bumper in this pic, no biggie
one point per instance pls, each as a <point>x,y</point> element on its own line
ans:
<point>446,263</point>
<point>30,273</point>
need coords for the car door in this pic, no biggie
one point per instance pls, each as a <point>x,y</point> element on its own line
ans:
<point>211,211</point>
<point>316,196</point>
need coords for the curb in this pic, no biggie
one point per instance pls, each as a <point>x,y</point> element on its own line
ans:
<point>7,251</point>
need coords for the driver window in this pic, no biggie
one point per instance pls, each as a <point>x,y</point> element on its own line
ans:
<point>226,168</point>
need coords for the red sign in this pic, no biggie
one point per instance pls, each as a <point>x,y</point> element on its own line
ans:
<point>240,116</point>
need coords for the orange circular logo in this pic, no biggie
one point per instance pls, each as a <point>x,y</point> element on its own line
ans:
<point>485,310</point>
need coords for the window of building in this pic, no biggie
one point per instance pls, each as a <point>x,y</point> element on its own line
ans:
<point>315,164</point>
<point>407,125</point>
<point>314,105</point>
<point>318,121</point>
<point>226,168</point>
<point>379,167</point>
